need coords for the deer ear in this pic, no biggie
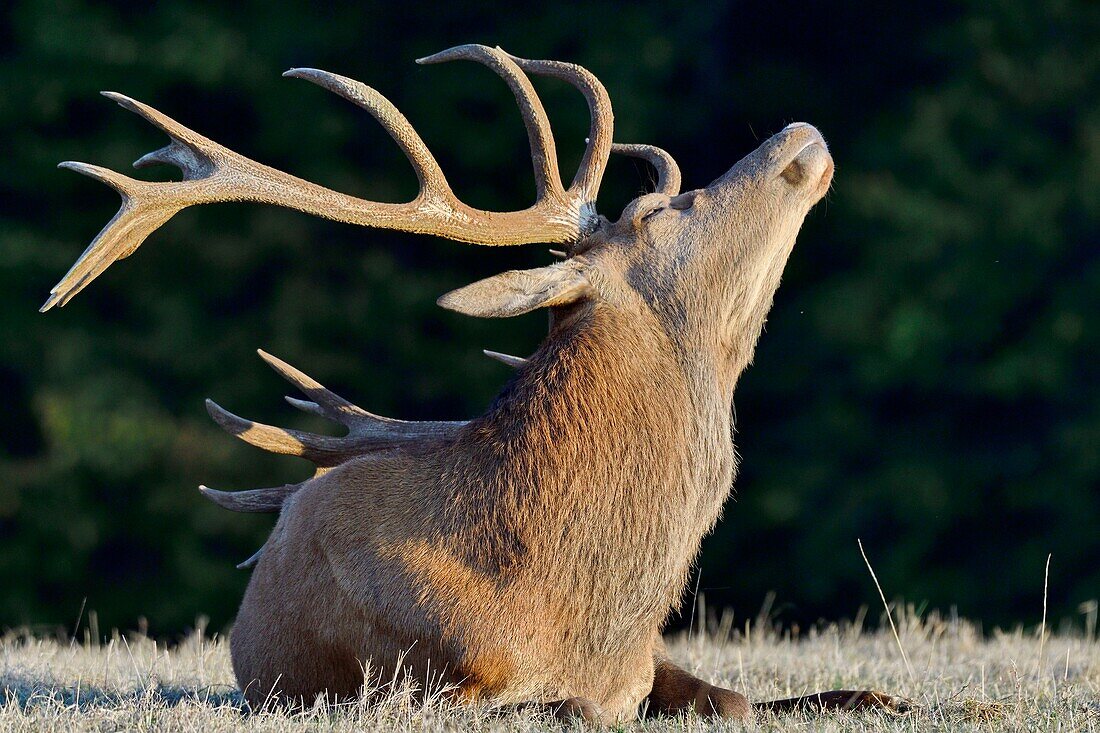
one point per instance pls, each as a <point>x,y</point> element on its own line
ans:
<point>516,292</point>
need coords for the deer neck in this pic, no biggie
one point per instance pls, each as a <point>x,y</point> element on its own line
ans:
<point>603,462</point>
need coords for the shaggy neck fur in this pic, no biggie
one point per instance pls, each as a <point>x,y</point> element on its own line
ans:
<point>593,477</point>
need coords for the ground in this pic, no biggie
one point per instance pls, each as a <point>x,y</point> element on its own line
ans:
<point>960,678</point>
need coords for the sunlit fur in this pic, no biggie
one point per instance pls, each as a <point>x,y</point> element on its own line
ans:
<point>534,553</point>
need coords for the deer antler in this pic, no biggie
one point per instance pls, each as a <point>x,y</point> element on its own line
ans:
<point>213,173</point>
<point>507,359</point>
<point>367,432</point>
<point>668,173</point>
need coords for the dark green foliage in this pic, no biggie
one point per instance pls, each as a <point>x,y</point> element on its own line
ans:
<point>929,380</point>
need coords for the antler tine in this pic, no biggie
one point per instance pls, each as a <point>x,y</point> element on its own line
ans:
<point>252,560</point>
<point>507,359</point>
<point>134,221</point>
<point>433,184</point>
<point>161,121</point>
<point>366,431</point>
<point>306,406</point>
<point>252,501</point>
<point>544,154</point>
<point>363,427</point>
<point>331,405</point>
<point>211,173</point>
<point>586,182</point>
<point>322,450</point>
<point>668,173</point>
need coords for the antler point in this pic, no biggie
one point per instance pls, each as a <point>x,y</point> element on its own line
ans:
<point>448,54</point>
<point>273,361</point>
<point>118,98</point>
<point>146,160</point>
<point>251,562</point>
<point>301,72</point>
<point>507,359</point>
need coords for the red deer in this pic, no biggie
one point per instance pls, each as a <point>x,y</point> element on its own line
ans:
<point>530,555</point>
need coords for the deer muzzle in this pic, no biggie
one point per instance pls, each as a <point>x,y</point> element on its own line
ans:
<point>796,156</point>
<point>809,164</point>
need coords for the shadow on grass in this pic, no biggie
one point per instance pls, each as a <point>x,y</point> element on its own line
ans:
<point>27,692</point>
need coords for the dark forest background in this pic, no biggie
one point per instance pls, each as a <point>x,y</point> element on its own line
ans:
<point>928,381</point>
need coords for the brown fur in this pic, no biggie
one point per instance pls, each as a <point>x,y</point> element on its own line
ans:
<point>532,554</point>
<point>536,551</point>
<point>675,691</point>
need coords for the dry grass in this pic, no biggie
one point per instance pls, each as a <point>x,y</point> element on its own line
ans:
<point>961,681</point>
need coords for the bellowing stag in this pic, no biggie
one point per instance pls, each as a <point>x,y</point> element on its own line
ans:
<point>532,554</point>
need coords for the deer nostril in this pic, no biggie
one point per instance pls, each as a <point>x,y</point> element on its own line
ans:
<point>793,173</point>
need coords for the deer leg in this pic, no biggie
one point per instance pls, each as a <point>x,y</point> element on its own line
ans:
<point>837,700</point>
<point>579,709</point>
<point>675,690</point>
<point>572,709</point>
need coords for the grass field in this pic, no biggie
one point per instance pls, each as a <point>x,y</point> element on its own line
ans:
<point>961,679</point>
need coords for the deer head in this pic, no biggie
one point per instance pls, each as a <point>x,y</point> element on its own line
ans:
<point>705,262</point>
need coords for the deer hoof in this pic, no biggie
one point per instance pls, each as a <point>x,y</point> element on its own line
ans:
<point>873,699</point>
<point>577,710</point>
<point>718,702</point>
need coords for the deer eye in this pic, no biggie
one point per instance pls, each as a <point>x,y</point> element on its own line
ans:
<point>653,212</point>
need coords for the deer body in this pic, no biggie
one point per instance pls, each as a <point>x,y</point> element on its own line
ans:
<point>524,552</point>
<point>530,555</point>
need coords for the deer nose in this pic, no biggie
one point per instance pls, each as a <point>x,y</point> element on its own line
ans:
<point>797,136</point>
<point>799,142</point>
<point>809,163</point>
